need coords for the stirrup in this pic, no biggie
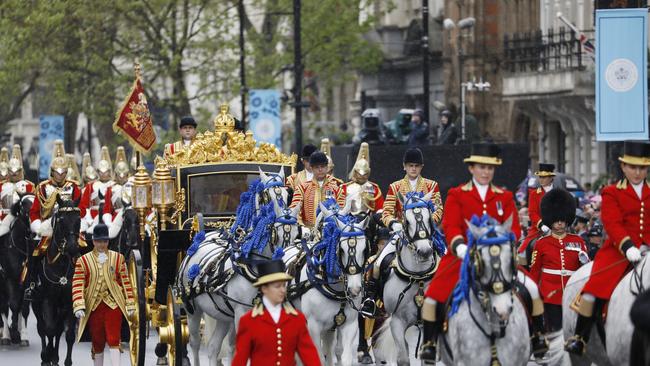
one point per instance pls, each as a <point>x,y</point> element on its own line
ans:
<point>428,351</point>
<point>576,345</point>
<point>539,345</point>
<point>369,308</point>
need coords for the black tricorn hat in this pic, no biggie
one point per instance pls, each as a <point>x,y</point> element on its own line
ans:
<point>636,153</point>
<point>545,170</point>
<point>484,153</point>
<point>271,271</point>
<point>307,150</point>
<point>100,232</point>
<point>558,205</point>
<point>187,121</point>
<point>414,156</point>
<point>318,158</point>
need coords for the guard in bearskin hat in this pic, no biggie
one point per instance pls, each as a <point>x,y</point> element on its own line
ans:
<point>622,211</point>
<point>305,175</point>
<point>557,255</point>
<point>545,176</point>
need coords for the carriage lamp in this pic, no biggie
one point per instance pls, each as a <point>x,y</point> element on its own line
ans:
<point>142,196</point>
<point>164,193</point>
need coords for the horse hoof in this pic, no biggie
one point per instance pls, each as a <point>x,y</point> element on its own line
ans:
<point>365,360</point>
<point>5,341</point>
<point>24,343</point>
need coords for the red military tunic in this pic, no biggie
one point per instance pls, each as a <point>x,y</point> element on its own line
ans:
<point>393,208</point>
<point>309,195</point>
<point>296,179</point>
<point>534,200</point>
<point>462,203</point>
<point>45,189</point>
<point>622,213</point>
<point>93,195</point>
<point>265,343</point>
<point>20,188</point>
<point>553,262</point>
<point>375,203</point>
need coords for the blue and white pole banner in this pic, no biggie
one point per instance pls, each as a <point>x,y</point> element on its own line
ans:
<point>265,116</point>
<point>51,130</point>
<point>621,74</point>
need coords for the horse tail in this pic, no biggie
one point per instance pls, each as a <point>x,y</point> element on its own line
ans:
<point>383,343</point>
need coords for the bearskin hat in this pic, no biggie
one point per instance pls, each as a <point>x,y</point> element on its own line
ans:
<point>558,205</point>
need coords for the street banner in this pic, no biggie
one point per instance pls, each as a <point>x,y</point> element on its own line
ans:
<point>52,128</point>
<point>134,119</point>
<point>621,75</point>
<point>265,116</point>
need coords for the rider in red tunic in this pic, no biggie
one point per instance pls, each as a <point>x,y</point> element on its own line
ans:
<point>545,175</point>
<point>557,255</point>
<point>623,207</point>
<point>477,197</point>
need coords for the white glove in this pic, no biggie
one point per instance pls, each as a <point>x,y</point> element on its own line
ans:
<point>461,249</point>
<point>130,312</point>
<point>545,229</point>
<point>633,254</point>
<point>80,314</point>
<point>396,227</point>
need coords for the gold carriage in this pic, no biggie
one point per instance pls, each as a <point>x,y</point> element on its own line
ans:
<point>197,188</point>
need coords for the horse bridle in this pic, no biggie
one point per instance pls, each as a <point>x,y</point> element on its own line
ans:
<point>352,267</point>
<point>498,283</point>
<point>286,222</point>
<point>276,184</point>
<point>421,232</point>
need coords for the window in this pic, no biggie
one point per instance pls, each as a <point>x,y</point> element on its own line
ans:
<point>218,193</point>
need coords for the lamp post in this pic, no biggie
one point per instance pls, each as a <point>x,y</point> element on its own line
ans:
<point>164,193</point>
<point>142,196</point>
<point>481,86</point>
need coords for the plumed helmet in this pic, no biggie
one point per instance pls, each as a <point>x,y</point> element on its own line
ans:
<point>4,162</point>
<point>73,170</point>
<point>104,164</point>
<point>88,172</point>
<point>558,205</point>
<point>362,165</point>
<point>59,163</point>
<point>16,161</point>
<point>121,165</point>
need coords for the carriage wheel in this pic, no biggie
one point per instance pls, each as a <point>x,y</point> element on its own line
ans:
<point>138,328</point>
<point>178,339</point>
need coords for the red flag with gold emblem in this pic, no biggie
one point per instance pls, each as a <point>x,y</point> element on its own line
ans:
<point>134,119</point>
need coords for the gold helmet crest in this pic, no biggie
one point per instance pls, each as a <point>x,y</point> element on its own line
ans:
<point>362,165</point>
<point>105,165</point>
<point>16,162</point>
<point>121,164</point>
<point>88,172</point>
<point>4,162</point>
<point>59,163</point>
<point>326,147</point>
<point>73,169</point>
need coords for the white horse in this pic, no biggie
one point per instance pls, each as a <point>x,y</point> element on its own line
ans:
<point>486,322</point>
<point>618,326</point>
<point>335,283</point>
<point>415,262</point>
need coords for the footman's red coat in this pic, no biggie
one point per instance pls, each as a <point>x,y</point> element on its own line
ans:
<point>534,200</point>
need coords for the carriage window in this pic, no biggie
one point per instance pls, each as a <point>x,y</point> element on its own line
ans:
<point>218,193</point>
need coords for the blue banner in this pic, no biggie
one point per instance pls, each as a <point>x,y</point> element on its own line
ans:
<point>51,130</point>
<point>265,116</point>
<point>621,75</point>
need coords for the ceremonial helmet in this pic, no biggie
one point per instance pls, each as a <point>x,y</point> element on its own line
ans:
<point>88,172</point>
<point>326,148</point>
<point>121,164</point>
<point>73,169</point>
<point>4,163</point>
<point>104,165</point>
<point>16,163</point>
<point>362,165</point>
<point>59,163</point>
<point>558,205</point>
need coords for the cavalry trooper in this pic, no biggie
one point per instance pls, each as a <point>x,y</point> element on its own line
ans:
<point>305,175</point>
<point>476,197</point>
<point>311,193</point>
<point>101,295</point>
<point>88,172</point>
<point>14,188</point>
<point>187,130</point>
<point>95,193</point>
<point>113,205</point>
<point>273,332</point>
<point>622,210</point>
<point>4,164</point>
<point>326,147</point>
<point>413,181</point>
<point>545,175</point>
<point>557,255</point>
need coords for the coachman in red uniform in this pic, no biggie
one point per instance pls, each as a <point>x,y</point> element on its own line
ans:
<point>545,176</point>
<point>274,331</point>
<point>622,212</point>
<point>557,255</point>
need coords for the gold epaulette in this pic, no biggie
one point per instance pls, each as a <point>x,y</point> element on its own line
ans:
<point>496,189</point>
<point>467,187</point>
<point>621,184</point>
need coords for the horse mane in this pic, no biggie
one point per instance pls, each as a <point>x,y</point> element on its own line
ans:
<point>259,237</point>
<point>327,247</point>
<point>246,209</point>
<point>437,237</point>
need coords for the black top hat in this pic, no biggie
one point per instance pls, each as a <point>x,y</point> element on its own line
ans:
<point>187,121</point>
<point>545,170</point>
<point>484,153</point>
<point>100,232</point>
<point>636,153</point>
<point>318,158</point>
<point>413,155</point>
<point>271,271</point>
<point>558,205</point>
<point>307,150</point>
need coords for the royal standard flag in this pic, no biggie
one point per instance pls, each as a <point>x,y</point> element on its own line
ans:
<point>134,119</point>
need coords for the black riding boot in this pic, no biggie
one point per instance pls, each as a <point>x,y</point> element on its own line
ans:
<point>538,341</point>
<point>578,343</point>
<point>369,308</point>
<point>431,332</point>
<point>363,351</point>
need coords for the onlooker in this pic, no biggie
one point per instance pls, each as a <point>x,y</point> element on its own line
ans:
<point>595,239</point>
<point>581,225</point>
<point>419,129</point>
<point>447,134</point>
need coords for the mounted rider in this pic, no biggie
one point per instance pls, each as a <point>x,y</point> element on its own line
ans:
<point>622,211</point>
<point>557,255</point>
<point>187,130</point>
<point>326,147</point>
<point>15,187</point>
<point>545,176</point>
<point>305,175</point>
<point>95,193</point>
<point>476,197</point>
<point>392,215</point>
<point>116,194</point>
<point>311,193</point>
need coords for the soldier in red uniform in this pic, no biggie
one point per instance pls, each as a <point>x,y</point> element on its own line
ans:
<point>273,331</point>
<point>94,193</point>
<point>476,197</point>
<point>365,196</point>
<point>392,216</point>
<point>311,193</point>
<point>557,255</point>
<point>623,208</point>
<point>545,175</point>
<point>14,188</point>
